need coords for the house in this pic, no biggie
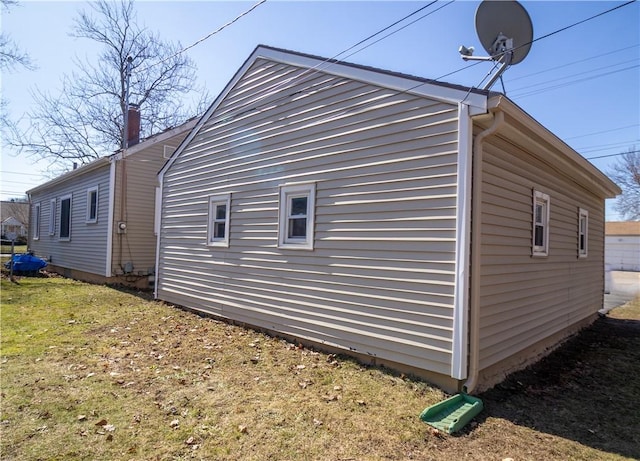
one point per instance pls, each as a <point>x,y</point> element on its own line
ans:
<point>97,222</point>
<point>14,218</point>
<point>433,228</point>
<point>622,245</point>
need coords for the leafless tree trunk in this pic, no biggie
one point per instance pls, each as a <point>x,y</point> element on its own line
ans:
<point>626,172</point>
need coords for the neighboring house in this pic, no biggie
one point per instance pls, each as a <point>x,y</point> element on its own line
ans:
<point>96,223</point>
<point>14,217</point>
<point>622,245</point>
<point>435,228</point>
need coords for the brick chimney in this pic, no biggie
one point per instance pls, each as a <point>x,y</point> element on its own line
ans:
<point>133,131</point>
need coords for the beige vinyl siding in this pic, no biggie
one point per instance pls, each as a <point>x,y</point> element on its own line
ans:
<point>525,299</point>
<point>134,203</point>
<point>380,279</point>
<point>87,248</point>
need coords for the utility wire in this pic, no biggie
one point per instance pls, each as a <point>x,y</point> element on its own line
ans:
<point>551,69</point>
<point>580,80</point>
<point>401,28</point>
<point>545,36</point>
<point>614,155</point>
<point>528,88</point>
<point>310,72</point>
<point>579,22</point>
<point>206,37</point>
<point>604,131</point>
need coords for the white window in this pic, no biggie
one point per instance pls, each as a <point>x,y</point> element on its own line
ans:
<point>36,221</point>
<point>92,205</point>
<point>583,232</point>
<point>541,204</point>
<point>52,216</point>
<point>65,217</point>
<point>296,223</point>
<point>218,226</point>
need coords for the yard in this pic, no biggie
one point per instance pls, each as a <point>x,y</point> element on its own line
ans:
<point>92,372</point>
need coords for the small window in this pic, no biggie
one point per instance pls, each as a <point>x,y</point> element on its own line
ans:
<point>36,221</point>
<point>218,226</point>
<point>583,232</point>
<point>541,203</point>
<point>52,216</point>
<point>65,218</point>
<point>296,224</point>
<point>92,205</point>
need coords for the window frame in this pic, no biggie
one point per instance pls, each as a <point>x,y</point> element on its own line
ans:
<point>287,194</point>
<point>540,198</point>
<point>36,227</point>
<point>53,204</point>
<point>89,219</point>
<point>213,220</point>
<point>583,216</point>
<point>61,237</point>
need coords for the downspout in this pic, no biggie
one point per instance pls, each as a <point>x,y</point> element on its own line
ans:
<point>159,217</point>
<point>108,270</point>
<point>476,229</point>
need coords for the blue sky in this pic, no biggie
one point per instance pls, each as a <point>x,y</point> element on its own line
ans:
<point>583,83</point>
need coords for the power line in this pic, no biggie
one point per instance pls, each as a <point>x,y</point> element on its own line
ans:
<point>580,80</point>
<point>583,73</point>
<point>614,155</point>
<point>298,79</point>
<point>401,28</point>
<point>602,132</point>
<point>608,53</point>
<point>206,37</point>
<point>555,32</point>
<point>20,173</point>
<point>599,147</point>
<point>579,22</point>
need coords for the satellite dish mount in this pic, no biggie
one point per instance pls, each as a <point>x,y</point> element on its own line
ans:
<point>505,31</point>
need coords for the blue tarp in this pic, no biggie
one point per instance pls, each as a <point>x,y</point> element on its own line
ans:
<point>26,263</point>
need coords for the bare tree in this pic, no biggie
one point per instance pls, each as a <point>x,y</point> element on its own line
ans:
<point>626,172</point>
<point>11,59</point>
<point>86,120</point>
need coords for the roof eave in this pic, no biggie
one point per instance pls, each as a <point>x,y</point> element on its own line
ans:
<point>568,160</point>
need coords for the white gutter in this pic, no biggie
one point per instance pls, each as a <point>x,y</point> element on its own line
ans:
<point>112,195</point>
<point>476,229</point>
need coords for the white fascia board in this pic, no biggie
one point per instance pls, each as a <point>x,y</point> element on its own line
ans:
<point>111,213</point>
<point>476,102</point>
<point>463,244</point>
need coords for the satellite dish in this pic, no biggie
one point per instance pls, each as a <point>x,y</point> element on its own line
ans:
<point>505,31</point>
<point>498,21</point>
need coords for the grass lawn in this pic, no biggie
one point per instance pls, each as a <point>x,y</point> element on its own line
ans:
<point>6,249</point>
<point>92,372</point>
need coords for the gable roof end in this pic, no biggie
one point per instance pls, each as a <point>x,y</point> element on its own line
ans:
<point>476,99</point>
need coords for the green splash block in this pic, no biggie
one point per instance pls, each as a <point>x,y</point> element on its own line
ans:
<point>452,414</point>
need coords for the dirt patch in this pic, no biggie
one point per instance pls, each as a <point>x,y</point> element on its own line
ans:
<point>584,391</point>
